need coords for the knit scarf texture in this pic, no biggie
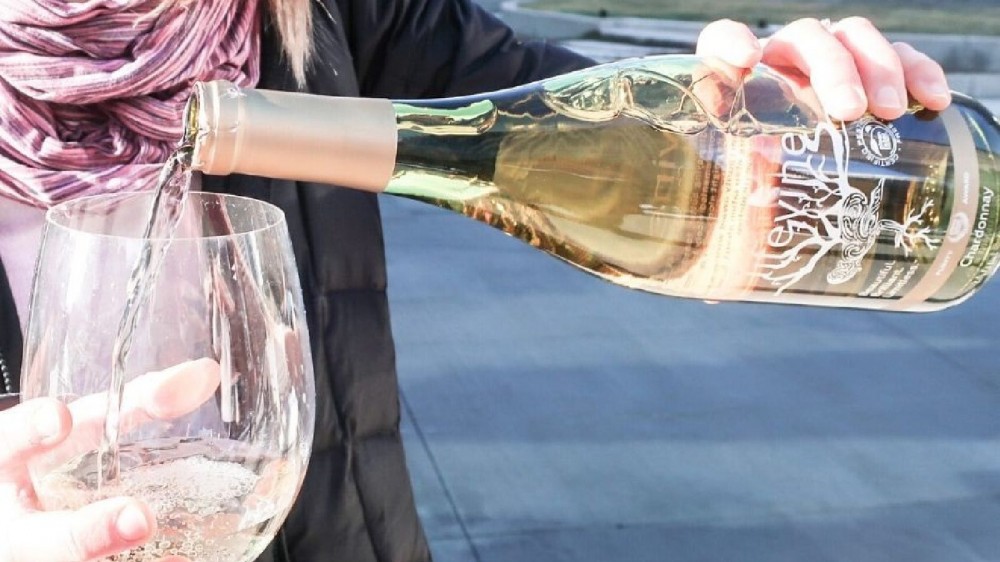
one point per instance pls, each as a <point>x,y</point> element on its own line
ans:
<point>92,91</point>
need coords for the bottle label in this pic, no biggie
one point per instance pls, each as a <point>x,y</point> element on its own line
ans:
<point>894,222</point>
<point>958,248</point>
<point>879,142</point>
<point>825,217</point>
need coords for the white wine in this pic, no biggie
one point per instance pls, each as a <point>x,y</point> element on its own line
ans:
<point>666,174</point>
<point>214,500</point>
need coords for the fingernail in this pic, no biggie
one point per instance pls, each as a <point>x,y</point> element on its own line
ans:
<point>888,98</point>
<point>45,423</point>
<point>132,524</point>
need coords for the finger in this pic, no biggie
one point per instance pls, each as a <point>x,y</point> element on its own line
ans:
<point>31,428</point>
<point>878,65</point>
<point>178,390</point>
<point>924,77</point>
<point>161,395</point>
<point>91,532</point>
<point>714,85</point>
<point>730,41</point>
<point>807,46</point>
<point>726,49</point>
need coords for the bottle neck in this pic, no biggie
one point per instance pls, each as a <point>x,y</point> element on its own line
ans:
<point>349,142</point>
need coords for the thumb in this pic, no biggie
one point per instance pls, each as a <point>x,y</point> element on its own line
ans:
<point>92,532</point>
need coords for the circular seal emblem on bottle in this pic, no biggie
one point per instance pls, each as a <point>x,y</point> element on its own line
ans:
<point>959,227</point>
<point>879,142</point>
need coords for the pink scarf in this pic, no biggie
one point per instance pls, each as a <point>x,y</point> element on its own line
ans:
<point>92,91</point>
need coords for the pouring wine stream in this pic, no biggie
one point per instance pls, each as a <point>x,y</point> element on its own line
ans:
<point>168,203</point>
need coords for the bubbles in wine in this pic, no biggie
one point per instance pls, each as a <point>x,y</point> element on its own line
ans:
<point>214,502</point>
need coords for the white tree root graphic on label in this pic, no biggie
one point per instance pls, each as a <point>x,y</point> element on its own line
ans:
<point>819,211</point>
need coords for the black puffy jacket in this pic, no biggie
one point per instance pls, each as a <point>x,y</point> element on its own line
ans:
<point>356,504</point>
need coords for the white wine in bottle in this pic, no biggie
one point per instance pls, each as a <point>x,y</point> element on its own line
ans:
<point>673,174</point>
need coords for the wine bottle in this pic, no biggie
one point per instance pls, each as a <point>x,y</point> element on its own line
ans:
<point>673,174</point>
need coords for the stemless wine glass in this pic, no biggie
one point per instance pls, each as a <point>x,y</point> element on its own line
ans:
<point>217,412</point>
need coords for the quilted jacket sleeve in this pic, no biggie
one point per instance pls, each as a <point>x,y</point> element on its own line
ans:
<point>441,48</point>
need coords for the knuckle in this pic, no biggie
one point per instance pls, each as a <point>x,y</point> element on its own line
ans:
<point>908,53</point>
<point>722,23</point>
<point>810,25</point>
<point>857,22</point>
<point>890,60</point>
<point>841,60</point>
<point>732,24</point>
<point>913,60</point>
<point>716,29</point>
<point>721,34</point>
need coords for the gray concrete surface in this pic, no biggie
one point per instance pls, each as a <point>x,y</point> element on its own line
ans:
<point>552,417</point>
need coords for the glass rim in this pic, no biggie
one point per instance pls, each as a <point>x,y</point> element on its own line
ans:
<point>274,216</point>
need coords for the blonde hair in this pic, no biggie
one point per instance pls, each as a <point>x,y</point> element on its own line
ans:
<point>293,19</point>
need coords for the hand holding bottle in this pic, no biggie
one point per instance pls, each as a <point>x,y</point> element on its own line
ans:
<point>46,430</point>
<point>851,65</point>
